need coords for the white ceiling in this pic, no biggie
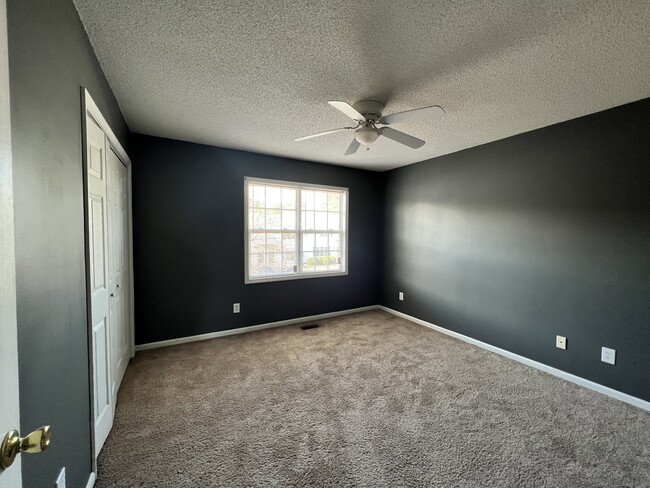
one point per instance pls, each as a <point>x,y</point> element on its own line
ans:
<point>255,75</point>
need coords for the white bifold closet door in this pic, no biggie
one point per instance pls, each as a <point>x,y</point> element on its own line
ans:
<point>118,277</point>
<point>109,274</point>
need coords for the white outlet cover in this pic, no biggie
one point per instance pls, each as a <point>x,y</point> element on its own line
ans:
<point>560,342</point>
<point>235,308</point>
<point>401,295</point>
<point>608,355</point>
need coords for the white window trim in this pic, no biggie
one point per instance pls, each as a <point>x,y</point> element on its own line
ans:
<point>298,231</point>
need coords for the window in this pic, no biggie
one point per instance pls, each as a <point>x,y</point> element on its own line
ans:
<point>294,230</point>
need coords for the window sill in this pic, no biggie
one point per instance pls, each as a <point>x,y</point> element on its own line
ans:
<point>269,279</point>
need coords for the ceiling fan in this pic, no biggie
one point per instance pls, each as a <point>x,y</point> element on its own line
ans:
<point>370,124</point>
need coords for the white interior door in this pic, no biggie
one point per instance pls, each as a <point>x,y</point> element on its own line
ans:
<point>9,404</point>
<point>99,281</point>
<point>118,244</point>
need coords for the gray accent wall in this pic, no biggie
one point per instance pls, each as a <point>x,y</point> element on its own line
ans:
<point>188,213</point>
<point>544,233</point>
<point>50,58</point>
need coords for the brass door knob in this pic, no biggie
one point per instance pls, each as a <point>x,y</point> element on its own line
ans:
<point>13,444</point>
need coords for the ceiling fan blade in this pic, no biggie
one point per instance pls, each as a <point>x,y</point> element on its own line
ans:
<point>428,113</point>
<point>352,148</point>
<point>402,138</point>
<point>303,138</point>
<point>348,110</point>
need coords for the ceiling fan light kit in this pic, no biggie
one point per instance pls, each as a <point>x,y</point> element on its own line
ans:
<point>370,124</point>
<point>366,134</point>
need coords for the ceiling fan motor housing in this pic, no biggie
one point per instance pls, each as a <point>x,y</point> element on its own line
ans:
<point>370,109</point>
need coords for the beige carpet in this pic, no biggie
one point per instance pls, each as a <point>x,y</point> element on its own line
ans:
<point>367,400</point>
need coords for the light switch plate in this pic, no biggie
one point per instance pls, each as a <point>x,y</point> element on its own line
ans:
<point>560,342</point>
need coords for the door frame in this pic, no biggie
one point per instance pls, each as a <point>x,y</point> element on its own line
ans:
<point>90,108</point>
<point>9,396</point>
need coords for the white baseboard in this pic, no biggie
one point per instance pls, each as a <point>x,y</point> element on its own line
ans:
<point>91,480</point>
<point>252,328</point>
<point>637,402</point>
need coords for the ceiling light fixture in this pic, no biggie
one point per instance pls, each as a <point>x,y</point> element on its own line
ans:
<point>367,134</point>
<point>367,115</point>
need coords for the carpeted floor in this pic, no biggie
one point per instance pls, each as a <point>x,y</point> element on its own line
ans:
<point>367,400</point>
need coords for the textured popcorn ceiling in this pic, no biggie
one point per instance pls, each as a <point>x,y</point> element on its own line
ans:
<point>256,75</point>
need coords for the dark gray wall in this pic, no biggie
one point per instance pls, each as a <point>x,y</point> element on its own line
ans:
<point>511,243</point>
<point>49,59</point>
<point>540,234</point>
<point>188,211</point>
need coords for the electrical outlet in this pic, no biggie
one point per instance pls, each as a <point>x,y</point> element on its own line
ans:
<point>60,481</point>
<point>235,308</point>
<point>608,355</point>
<point>401,296</point>
<point>560,342</point>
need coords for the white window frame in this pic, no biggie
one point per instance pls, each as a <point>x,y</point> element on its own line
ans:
<point>299,275</point>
